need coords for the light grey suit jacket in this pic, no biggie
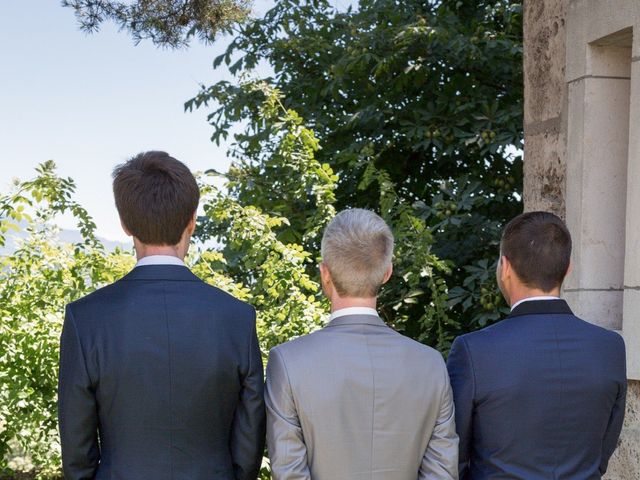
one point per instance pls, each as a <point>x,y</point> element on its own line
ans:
<point>357,400</point>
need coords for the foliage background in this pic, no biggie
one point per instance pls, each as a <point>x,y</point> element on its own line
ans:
<point>423,97</point>
<point>409,108</point>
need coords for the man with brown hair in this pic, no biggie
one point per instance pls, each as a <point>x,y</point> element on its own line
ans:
<point>541,394</point>
<point>160,374</point>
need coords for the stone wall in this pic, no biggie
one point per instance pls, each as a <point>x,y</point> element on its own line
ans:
<point>625,463</point>
<point>560,160</point>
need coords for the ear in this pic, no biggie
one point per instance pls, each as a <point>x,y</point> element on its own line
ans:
<point>126,230</point>
<point>504,270</point>
<point>569,269</point>
<point>324,273</point>
<point>326,282</point>
<point>191,226</point>
<point>387,275</point>
<point>505,266</point>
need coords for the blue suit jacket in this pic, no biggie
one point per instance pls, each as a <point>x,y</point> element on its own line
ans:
<point>539,395</point>
<point>160,378</point>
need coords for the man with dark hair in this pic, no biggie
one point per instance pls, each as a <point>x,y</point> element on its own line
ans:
<point>160,374</point>
<point>541,394</point>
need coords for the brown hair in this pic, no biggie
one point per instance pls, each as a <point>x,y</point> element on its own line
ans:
<point>156,197</point>
<point>538,245</point>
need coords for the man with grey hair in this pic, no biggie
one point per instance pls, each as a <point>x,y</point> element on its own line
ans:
<point>357,400</point>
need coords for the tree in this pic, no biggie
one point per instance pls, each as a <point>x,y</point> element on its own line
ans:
<point>425,94</point>
<point>283,178</point>
<point>167,23</point>
<point>36,281</point>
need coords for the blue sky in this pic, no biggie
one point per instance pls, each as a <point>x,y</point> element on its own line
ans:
<point>91,101</point>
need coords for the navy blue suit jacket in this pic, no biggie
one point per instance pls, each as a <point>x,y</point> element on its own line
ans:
<point>160,379</point>
<point>539,395</point>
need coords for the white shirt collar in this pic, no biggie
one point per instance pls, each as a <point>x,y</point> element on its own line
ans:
<point>353,311</point>
<point>159,260</point>
<point>531,299</point>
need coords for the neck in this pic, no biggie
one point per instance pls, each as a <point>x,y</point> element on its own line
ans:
<point>143,250</point>
<point>523,293</point>
<point>338,303</point>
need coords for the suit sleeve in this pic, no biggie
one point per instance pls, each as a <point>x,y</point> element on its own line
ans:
<point>462,378</point>
<point>614,427</point>
<point>77,411</point>
<point>248,429</point>
<point>440,461</point>
<point>287,450</point>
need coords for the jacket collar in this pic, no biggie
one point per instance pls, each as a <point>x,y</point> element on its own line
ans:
<point>161,272</point>
<point>542,307</point>
<point>357,320</point>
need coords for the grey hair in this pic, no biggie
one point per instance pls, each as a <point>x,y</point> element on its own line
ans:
<point>357,248</point>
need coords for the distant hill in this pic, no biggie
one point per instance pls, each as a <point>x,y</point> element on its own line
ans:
<point>65,236</point>
<point>73,236</point>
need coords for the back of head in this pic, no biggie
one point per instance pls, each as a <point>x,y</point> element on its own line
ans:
<point>156,196</point>
<point>357,248</point>
<point>538,246</point>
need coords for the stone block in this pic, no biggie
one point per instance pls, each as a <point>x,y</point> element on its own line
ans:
<point>598,138</point>
<point>544,173</point>
<point>632,262</point>
<point>544,59</point>
<point>574,183</point>
<point>595,22</point>
<point>632,415</point>
<point>603,308</point>
<point>631,331</point>
<point>625,462</point>
<point>609,61</point>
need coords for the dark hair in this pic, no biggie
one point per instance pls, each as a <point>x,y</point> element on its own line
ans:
<point>538,245</point>
<point>156,197</point>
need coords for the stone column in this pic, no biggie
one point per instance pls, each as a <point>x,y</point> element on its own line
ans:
<point>545,100</point>
<point>599,79</point>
